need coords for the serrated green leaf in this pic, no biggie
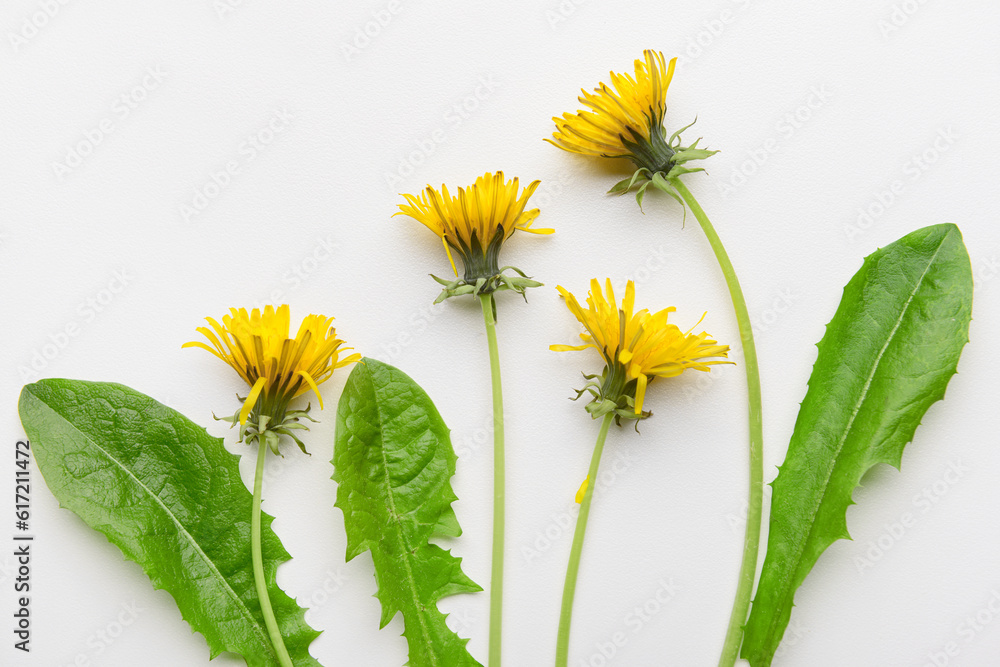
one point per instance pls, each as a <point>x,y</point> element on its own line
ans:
<point>171,498</point>
<point>392,462</point>
<point>887,355</point>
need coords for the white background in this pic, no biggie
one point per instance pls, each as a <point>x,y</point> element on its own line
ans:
<point>443,92</point>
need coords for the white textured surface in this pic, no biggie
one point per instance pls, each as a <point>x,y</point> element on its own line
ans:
<point>673,511</point>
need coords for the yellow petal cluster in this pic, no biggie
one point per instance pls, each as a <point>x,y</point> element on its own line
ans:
<point>276,367</point>
<point>479,216</point>
<point>644,344</point>
<point>629,110</point>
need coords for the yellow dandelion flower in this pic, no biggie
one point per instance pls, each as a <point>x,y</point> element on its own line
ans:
<point>277,368</point>
<point>637,346</point>
<point>625,120</point>
<point>630,110</point>
<point>474,224</point>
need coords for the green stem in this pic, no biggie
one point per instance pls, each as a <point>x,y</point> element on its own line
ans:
<point>751,544</point>
<point>573,569</point>
<point>496,578</point>
<point>258,564</point>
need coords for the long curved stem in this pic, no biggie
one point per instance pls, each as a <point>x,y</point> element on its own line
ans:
<point>496,578</point>
<point>573,569</point>
<point>258,564</point>
<point>751,544</point>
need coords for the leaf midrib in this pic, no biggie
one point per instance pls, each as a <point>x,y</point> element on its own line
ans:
<point>211,564</point>
<point>847,430</point>
<point>397,524</point>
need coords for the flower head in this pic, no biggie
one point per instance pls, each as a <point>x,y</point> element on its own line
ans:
<point>474,224</point>
<point>626,120</point>
<point>277,368</point>
<point>636,347</point>
<point>630,110</point>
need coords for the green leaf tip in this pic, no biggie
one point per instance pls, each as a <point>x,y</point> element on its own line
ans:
<point>171,498</point>
<point>393,462</point>
<point>886,356</point>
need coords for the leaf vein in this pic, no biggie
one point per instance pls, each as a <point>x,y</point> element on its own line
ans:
<point>211,564</point>
<point>410,580</point>
<point>850,422</point>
